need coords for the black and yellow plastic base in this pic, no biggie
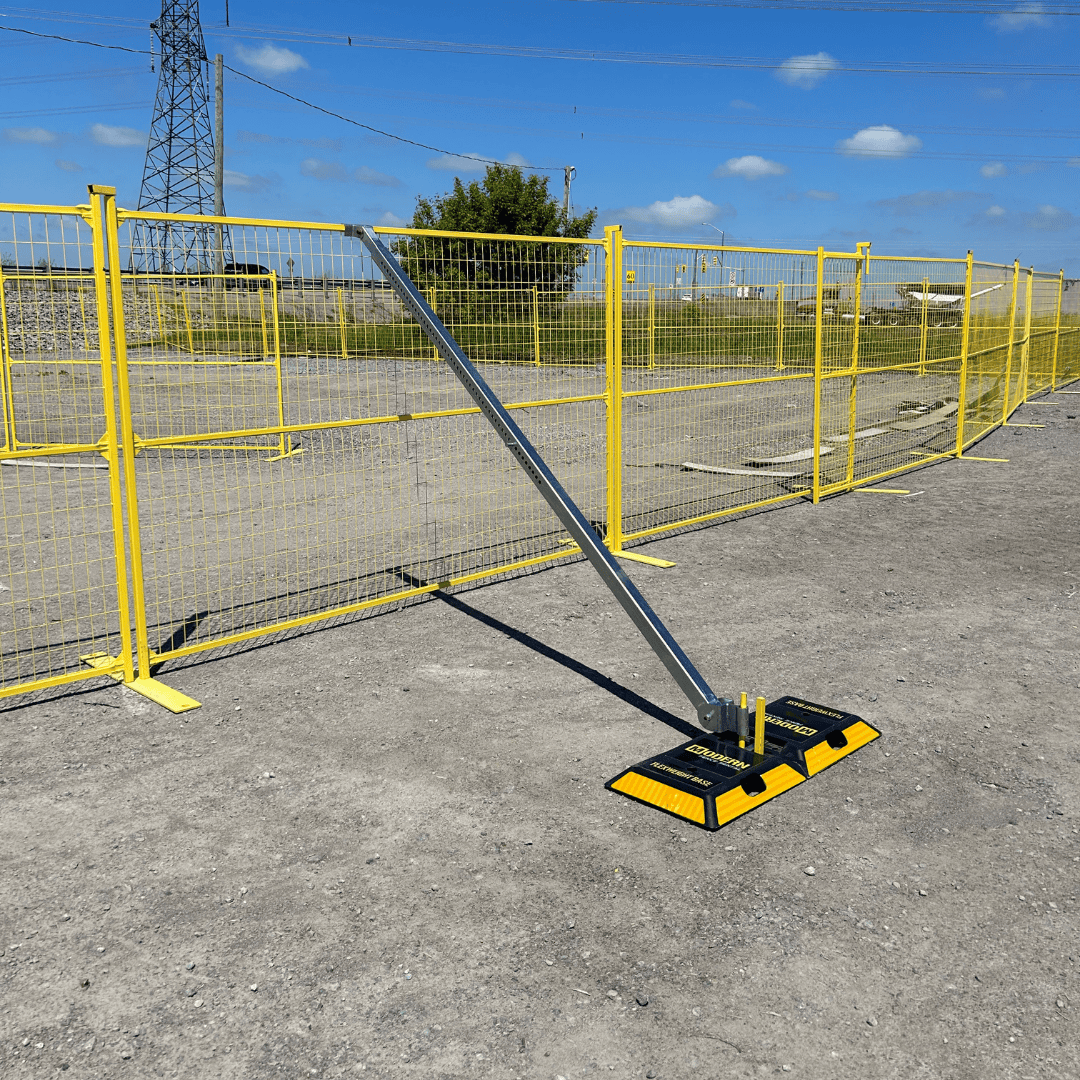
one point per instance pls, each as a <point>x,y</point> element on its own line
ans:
<point>712,780</point>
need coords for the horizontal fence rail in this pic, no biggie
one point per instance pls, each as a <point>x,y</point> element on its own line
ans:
<point>213,429</point>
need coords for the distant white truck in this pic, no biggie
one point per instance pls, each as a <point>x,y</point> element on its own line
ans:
<point>944,305</point>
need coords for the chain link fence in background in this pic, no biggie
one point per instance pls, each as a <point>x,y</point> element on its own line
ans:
<point>254,445</point>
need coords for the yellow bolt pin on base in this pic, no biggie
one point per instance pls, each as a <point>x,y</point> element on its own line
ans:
<point>759,728</point>
<point>743,721</point>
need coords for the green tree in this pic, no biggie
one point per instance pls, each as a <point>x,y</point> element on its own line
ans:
<point>506,202</point>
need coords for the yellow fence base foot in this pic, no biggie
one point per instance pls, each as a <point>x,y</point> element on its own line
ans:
<point>158,692</point>
<point>1023,425</point>
<point>972,457</point>
<point>291,453</point>
<point>163,695</point>
<point>884,491</point>
<point>633,556</point>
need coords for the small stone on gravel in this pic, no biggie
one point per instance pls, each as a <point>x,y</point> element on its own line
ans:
<point>191,965</point>
<point>809,871</point>
<point>642,1000</point>
<point>253,987</point>
<point>613,993</point>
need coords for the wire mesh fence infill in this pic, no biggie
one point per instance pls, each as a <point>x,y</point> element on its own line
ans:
<point>251,436</point>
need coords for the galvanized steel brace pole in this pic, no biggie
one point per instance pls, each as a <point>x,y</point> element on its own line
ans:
<point>644,618</point>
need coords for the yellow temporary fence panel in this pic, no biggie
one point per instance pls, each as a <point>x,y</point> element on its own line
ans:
<point>215,429</point>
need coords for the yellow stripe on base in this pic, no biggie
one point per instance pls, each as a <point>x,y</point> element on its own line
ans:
<point>735,803</point>
<point>823,755</point>
<point>691,807</point>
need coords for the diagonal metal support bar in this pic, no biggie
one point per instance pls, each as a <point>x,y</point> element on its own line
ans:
<point>644,618</point>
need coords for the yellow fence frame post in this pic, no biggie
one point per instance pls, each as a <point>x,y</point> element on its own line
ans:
<point>143,683</point>
<point>1057,330</point>
<point>862,259</point>
<point>613,396</point>
<point>1012,337</point>
<point>819,353</point>
<point>780,326</point>
<point>613,390</point>
<point>965,348</point>
<point>110,444</point>
<point>1025,352</point>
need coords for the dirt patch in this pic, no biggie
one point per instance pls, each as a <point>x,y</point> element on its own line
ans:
<point>384,848</point>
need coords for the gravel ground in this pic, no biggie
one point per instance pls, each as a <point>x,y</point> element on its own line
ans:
<point>384,848</point>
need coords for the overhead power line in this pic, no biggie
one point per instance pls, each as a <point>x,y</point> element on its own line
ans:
<point>379,131</point>
<point>658,59</point>
<point>71,76</point>
<point>951,69</point>
<point>920,7</point>
<point>293,97</point>
<point>606,137</point>
<point>743,119</point>
<point>74,110</point>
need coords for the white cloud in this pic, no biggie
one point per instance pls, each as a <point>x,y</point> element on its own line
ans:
<point>391,219</point>
<point>995,211</point>
<point>879,141</point>
<point>369,176</point>
<point>1026,16</point>
<point>31,135</point>
<point>992,93</point>
<point>738,103</point>
<point>271,60</point>
<point>516,159</point>
<point>806,71</point>
<point>463,163</point>
<point>1050,219</point>
<point>108,135</point>
<point>677,213</point>
<point>68,166</point>
<point>1073,163</point>
<point>822,196</point>
<point>995,168</point>
<point>750,167</point>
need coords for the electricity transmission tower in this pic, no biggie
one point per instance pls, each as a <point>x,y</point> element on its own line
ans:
<point>178,176</point>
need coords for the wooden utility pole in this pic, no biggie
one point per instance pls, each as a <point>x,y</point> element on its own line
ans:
<point>569,172</point>
<point>219,160</point>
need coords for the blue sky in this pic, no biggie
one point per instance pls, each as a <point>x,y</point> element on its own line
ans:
<point>802,152</point>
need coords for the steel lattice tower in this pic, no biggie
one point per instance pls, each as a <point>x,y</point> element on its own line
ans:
<point>178,176</point>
